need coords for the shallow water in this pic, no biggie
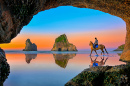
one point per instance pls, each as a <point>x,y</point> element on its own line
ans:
<point>51,68</point>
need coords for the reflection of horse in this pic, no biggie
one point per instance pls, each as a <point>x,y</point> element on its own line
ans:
<point>100,46</point>
<point>98,63</point>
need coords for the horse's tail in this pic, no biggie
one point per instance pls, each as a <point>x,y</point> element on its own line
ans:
<point>105,50</point>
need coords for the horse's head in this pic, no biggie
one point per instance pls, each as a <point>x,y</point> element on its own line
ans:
<point>90,43</point>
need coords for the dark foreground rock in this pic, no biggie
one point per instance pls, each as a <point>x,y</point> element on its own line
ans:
<point>62,44</point>
<point>103,76</point>
<point>4,67</point>
<point>30,46</point>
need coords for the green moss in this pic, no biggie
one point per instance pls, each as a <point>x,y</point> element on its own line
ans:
<point>61,38</point>
<point>121,77</point>
<point>121,47</point>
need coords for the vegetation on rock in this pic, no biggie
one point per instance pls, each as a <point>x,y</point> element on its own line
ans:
<point>103,76</point>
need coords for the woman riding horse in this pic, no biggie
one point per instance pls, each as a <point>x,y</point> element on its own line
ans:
<point>100,46</point>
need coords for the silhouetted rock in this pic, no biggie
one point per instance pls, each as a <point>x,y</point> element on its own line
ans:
<point>120,48</point>
<point>62,44</point>
<point>62,59</point>
<point>102,76</point>
<point>30,46</point>
<point>29,57</point>
<point>4,67</point>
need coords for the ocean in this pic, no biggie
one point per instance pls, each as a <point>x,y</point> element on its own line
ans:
<point>53,68</point>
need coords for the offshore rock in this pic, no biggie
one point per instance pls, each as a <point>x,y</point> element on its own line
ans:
<point>103,76</point>
<point>4,67</point>
<point>120,48</point>
<point>62,44</point>
<point>30,46</point>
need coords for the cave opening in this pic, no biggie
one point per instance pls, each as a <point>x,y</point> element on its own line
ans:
<point>59,49</point>
<point>81,25</point>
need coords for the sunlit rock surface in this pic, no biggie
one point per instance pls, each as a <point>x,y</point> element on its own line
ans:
<point>14,14</point>
<point>29,46</point>
<point>62,44</point>
<point>103,76</point>
<point>29,57</point>
<point>4,67</point>
<point>62,59</point>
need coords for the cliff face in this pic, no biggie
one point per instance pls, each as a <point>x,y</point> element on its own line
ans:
<point>62,44</point>
<point>14,14</point>
<point>30,46</point>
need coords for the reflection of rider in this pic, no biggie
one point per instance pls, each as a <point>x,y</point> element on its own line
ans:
<point>95,63</point>
<point>95,43</point>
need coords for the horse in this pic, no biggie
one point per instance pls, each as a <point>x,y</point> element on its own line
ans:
<point>100,46</point>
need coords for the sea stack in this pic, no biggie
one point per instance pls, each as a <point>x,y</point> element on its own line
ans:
<point>62,44</point>
<point>120,48</point>
<point>29,46</point>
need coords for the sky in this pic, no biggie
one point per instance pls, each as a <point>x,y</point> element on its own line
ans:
<point>81,25</point>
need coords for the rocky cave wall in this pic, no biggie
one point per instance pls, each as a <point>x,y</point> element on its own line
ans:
<point>14,14</point>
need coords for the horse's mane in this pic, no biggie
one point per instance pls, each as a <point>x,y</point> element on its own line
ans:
<point>91,42</point>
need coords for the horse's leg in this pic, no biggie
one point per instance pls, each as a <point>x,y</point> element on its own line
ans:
<point>96,52</point>
<point>102,51</point>
<point>91,52</point>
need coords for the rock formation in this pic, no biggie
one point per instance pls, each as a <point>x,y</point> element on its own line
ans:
<point>120,48</point>
<point>30,46</point>
<point>29,57</point>
<point>102,76</point>
<point>62,44</point>
<point>4,67</point>
<point>14,14</point>
<point>62,59</point>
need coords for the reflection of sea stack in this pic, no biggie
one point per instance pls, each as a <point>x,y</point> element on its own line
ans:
<point>30,46</point>
<point>29,57</point>
<point>62,44</point>
<point>120,48</point>
<point>62,59</point>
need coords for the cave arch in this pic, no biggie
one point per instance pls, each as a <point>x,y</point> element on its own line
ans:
<point>14,14</point>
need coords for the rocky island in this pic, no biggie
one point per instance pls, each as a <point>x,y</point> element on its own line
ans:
<point>120,48</point>
<point>62,44</point>
<point>30,46</point>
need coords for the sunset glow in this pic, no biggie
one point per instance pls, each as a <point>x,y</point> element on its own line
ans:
<point>81,26</point>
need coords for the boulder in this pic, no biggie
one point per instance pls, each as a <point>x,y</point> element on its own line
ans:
<point>62,44</point>
<point>103,76</point>
<point>4,67</point>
